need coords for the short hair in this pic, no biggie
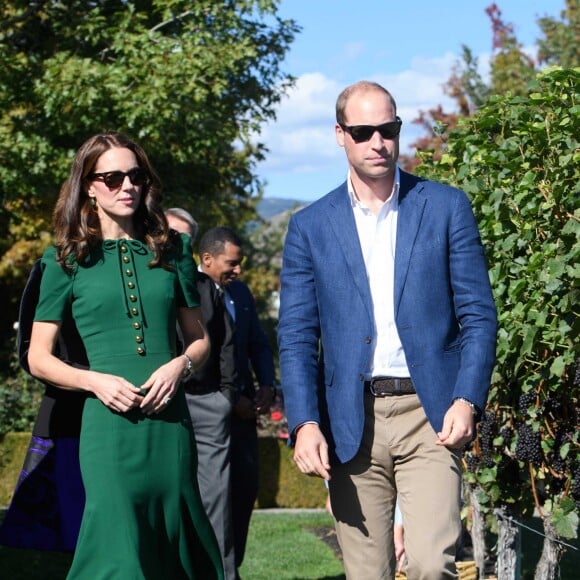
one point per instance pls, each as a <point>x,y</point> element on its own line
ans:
<point>360,86</point>
<point>214,240</point>
<point>186,217</point>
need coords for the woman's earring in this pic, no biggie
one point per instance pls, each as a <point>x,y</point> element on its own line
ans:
<point>92,201</point>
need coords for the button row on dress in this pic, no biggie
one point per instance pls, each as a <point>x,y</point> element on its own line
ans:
<point>137,325</point>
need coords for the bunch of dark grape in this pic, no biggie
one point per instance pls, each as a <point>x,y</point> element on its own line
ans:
<point>552,406</point>
<point>507,433</point>
<point>486,435</point>
<point>575,487</point>
<point>526,400</point>
<point>559,464</point>
<point>529,447</point>
<point>472,462</point>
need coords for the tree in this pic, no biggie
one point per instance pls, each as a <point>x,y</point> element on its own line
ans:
<point>561,42</point>
<point>511,69</point>
<point>193,82</point>
<point>517,157</point>
<point>262,269</point>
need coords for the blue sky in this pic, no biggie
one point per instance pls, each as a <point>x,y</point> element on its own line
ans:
<point>408,46</point>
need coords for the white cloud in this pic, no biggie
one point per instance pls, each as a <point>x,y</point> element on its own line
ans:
<point>303,135</point>
<point>311,99</point>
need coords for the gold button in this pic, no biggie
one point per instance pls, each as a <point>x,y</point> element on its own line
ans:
<point>131,285</point>
<point>133,298</point>
<point>134,311</point>
<point>126,259</point>
<point>140,350</point>
<point>139,339</point>
<point>129,272</point>
<point>123,249</point>
<point>136,325</point>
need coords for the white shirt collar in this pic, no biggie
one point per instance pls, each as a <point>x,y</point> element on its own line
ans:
<point>393,197</point>
<point>220,288</point>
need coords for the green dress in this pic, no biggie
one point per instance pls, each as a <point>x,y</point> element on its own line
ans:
<point>143,515</point>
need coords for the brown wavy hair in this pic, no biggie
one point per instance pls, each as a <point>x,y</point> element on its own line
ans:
<point>76,225</point>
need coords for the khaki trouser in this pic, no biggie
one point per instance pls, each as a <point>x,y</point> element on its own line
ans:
<point>398,456</point>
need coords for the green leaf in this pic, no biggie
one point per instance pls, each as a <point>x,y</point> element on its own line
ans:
<point>557,367</point>
<point>565,524</point>
<point>564,450</point>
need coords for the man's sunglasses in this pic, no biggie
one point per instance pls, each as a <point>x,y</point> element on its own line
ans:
<point>362,133</point>
<point>114,179</point>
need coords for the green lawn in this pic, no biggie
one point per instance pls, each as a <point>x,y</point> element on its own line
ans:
<point>282,545</point>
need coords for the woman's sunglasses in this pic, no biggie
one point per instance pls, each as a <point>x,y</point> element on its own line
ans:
<point>362,133</point>
<point>114,179</point>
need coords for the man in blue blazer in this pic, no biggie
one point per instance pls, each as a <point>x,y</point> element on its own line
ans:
<point>255,367</point>
<point>387,342</point>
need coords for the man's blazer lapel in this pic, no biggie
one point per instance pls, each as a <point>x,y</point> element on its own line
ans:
<point>410,212</point>
<point>341,218</point>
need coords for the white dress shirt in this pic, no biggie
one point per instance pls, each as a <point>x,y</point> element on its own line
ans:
<point>378,236</point>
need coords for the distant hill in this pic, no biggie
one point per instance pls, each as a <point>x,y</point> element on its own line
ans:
<point>272,206</point>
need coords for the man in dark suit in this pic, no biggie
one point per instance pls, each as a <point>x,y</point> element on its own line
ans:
<point>221,255</point>
<point>387,342</point>
<point>211,392</point>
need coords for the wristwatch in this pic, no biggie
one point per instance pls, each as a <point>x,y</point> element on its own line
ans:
<point>189,367</point>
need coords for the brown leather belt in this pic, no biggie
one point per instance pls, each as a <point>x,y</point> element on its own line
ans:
<point>390,386</point>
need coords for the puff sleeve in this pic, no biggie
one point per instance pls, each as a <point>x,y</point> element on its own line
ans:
<point>56,289</point>
<point>186,291</point>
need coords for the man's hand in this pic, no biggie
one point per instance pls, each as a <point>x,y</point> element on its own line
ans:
<point>399,537</point>
<point>311,451</point>
<point>244,408</point>
<point>264,399</point>
<point>458,426</point>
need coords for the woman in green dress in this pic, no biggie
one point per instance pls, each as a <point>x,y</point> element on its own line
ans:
<point>126,280</point>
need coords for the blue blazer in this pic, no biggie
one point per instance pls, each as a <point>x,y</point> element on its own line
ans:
<point>444,310</point>
<point>254,357</point>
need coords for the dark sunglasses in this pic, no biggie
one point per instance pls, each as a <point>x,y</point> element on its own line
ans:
<point>362,133</point>
<point>114,179</point>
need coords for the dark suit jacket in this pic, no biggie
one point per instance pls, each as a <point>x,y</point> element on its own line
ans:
<point>444,310</point>
<point>253,351</point>
<point>46,509</point>
<point>60,411</point>
<point>219,371</point>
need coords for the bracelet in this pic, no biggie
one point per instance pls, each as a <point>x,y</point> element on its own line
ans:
<point>189,367</point>
<point>467,402</point>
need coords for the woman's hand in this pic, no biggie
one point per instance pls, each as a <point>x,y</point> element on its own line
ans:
<point>114,392</point>
<point>161,386</point>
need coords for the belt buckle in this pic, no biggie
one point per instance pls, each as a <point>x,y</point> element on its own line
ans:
<point>379,395</point>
